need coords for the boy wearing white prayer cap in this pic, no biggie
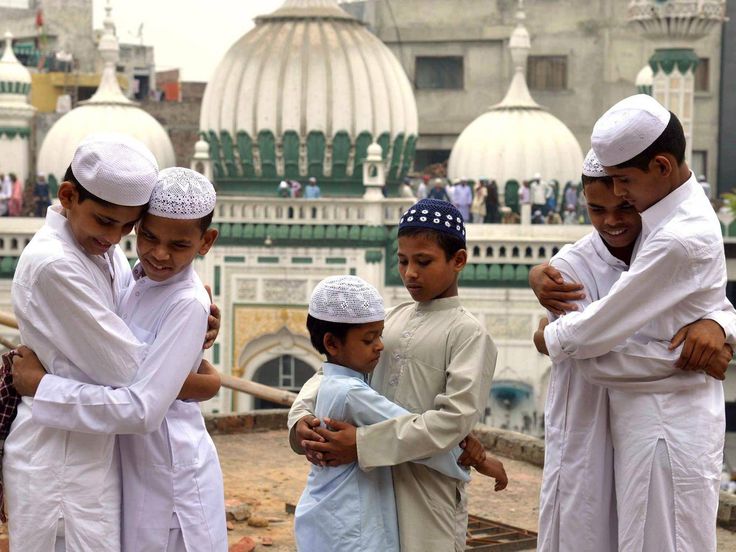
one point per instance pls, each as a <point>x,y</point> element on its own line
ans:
<point>344,507</point>
<point>577,496</point>
<point>62,488</point>
<point>668,440</point>
<point>439,364</point>
<point>173,499</point>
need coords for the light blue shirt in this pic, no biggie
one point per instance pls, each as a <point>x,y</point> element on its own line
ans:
<point>345,508</point>
<point>312,192</point>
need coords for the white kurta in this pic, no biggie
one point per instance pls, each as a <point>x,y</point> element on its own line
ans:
<point>577,508</point>
<point>173,469</point>
<point>64,301</point>
<point>677,277</point>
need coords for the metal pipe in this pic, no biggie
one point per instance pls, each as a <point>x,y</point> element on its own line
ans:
<point>265,392</point>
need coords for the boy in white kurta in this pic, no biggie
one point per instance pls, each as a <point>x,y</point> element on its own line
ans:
<point>577,506</point>
<point>668,445</point>
<point>67,283</point>
<point>438,364</point>
<point>173,498</point>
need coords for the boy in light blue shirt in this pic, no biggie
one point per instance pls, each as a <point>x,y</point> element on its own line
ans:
<point>343,507</point>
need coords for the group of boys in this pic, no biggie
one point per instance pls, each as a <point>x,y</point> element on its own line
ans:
<point>114,349</point>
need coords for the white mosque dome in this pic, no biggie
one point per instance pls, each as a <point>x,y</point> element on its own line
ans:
<point>516,138</point>
<point>314,87</point>
<point>107,110</point>
<point>14,78</point>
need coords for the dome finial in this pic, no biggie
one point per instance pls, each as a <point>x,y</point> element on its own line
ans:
<point>109,90</point>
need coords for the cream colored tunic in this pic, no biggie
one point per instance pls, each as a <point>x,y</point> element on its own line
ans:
<point>438,363</point>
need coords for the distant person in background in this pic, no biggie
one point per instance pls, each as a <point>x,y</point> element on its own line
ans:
<point>6,190</point>
<point>422,188</point>
<point>570,197</point>
<point>706,186</point>
<point>538,217</point>
<point>15,203</point>
<point>450,189</point>
<point>41,196</point>
<point>405,188</point>
<point>284,190</point>
<point>493,215</point>
<point>296,188</point>
<point>525,195</point>
<point>538,191</point>
<point>438,191</point>
<point>571,217</point>
<point>478,207</point>
<point>462,197</point>
<point>312,190</point>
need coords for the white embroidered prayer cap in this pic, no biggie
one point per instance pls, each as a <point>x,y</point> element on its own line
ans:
<point>628,128</point>
<point>115,167</point>
<point>182,194</point>
<point>592,167</point>
<point>346,299</point>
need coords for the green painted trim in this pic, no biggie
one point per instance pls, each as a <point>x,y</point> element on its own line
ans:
<point>336,260</point>
<point>12,132</point>
<point>216,353</point>
<point>353,271</point>
<point>302,260</point>
<point>218,275</point>
<point>285,235</point>
<point>373,257</point>
<point>233,259</point>
<point>268,260</point>
<point>666,59</point>
<point>7,267</point>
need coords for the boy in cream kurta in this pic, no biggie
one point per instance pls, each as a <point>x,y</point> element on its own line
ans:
<point>173,497</point>
<point>438,364</point>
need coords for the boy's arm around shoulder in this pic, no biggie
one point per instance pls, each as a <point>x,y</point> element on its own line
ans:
<point>201,385</point>
<point>139,408</point>
<point>68,308</point>
<point>304,405</point>
<point>456,410</point>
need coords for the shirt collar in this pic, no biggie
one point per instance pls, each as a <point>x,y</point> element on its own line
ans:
<point>660,212</point>
<point>140,275</point>
<point>606,256</point>
<point>445,303</point>
<point>331,369</point>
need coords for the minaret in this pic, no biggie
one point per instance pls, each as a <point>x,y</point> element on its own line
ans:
<point>674,25</point>
<point>15,114</point>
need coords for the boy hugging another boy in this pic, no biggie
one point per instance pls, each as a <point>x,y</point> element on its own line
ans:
<point>173,497</point>
<point>438,365</point>
<point>345,508</point>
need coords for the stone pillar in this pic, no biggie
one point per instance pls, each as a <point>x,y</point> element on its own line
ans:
<point>201,161</point>
<point>673,85</point>
<point>374,179</point>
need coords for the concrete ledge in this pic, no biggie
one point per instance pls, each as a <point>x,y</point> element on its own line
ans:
<point>246,422</point>
<point>727,511</point>
<point>511,444</point>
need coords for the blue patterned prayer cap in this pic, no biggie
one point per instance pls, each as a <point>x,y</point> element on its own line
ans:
<point>434,214</point>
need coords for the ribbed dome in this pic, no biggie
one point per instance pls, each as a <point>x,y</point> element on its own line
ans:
<point>517,138</point>
<point>14,78</point>
<point>303,94</point>
<point>107,110</point>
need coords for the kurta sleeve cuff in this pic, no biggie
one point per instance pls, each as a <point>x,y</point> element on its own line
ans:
<point>727,323</point>
<point>46,406</point>
<point>554,347</point>
<point>367,458</point>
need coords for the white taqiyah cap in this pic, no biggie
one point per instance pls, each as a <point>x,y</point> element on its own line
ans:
<point>628,128</point>
<point>346,299</point>
<point>592,167</point>
<point>182,194</point>
<point>115,167</point>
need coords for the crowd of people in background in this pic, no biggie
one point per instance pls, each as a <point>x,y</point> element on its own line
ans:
<point>14,201</point>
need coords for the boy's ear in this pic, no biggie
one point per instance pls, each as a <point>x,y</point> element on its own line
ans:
<point>67,194</point>
<point>459,260</point>
<point>330,343</point>
<point>210,236</point>
<point>663,165</point>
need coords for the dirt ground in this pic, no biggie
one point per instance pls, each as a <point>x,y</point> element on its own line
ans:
<point>260,468</point>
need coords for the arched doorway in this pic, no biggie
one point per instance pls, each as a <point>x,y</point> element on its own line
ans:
<point>284,372</point>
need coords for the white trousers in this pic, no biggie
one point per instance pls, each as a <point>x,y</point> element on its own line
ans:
<point>176,541</point>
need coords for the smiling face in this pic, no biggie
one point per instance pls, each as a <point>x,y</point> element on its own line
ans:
<point>167,246</point>
<point>361,348</point>
<point>616,221</point>
<point>426,271</point>
<point>96,226</point>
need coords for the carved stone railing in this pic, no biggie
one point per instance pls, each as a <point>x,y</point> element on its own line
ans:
<point>677,19</point>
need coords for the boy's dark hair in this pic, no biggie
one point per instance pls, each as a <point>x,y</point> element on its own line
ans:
<point>206,221</point>
<point>448,243</point>
<point>82,192</point>
<point>672,141</point>
<point>319,328</point>
<point>607,180</point>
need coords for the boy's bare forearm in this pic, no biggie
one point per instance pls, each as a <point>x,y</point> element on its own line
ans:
<point>202,385</point>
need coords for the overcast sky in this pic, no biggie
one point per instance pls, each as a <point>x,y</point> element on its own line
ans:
<point>192,35</point>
